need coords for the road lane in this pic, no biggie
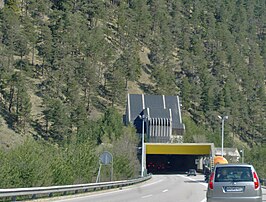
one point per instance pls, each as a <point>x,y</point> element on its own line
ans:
<point>159,188</point>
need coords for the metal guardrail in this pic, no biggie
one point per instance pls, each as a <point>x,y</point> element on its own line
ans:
<point>263,182</point>
<point>34,191</point>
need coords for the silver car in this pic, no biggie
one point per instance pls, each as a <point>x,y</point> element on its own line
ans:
<point>234,183</point>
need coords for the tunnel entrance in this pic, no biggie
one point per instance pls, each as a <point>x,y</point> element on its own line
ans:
<point>163,164</point>
<point>176,157</point>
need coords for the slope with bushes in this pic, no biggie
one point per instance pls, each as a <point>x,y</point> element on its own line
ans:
<point>64,65</point>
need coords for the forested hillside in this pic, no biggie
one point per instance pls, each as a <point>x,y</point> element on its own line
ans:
<point>67,66</point>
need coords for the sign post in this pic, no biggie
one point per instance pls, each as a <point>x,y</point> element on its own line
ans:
<point>106,158</point>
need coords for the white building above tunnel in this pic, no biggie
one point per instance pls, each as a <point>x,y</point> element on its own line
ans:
<point>161,115</point>
<point>231,154</point>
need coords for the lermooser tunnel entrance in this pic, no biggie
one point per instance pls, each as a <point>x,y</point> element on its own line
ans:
<point>176,158</point>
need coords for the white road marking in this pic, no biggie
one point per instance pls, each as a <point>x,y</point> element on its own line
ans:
<point>204,184</point>
<point>145,185</point>
<point>147,196</point>
<point>90,195</point>
<point>166,190</point>
<point>108,192</point>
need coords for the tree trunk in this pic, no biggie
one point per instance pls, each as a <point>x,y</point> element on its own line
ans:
<point>11,96</point>
<point>42,66</point>
<point>17,108</point>
<point>33,55</point>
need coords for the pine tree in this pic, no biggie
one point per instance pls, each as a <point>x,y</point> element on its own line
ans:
<point>111,124</point>
<point>186,93</point>
<point>141,19</point>
<point>58,119</point>
<point>4,71</point>
<point>44,47</point>
<point>10,32</point>
<point>13,5</point>
<point>31,37</point>
<point>23,107</point>
<point>129,64</point>
<point>115,87</point>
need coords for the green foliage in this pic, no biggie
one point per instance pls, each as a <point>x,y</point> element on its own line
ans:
<point>13,5</point>
<point>116,87</point>
<point>40,164</point>
<point>195,133</point>
<point>83,53</point>
<point>256,156</point>
<point>37,163</point>
<point>26,166</point>
<point>186,92</point>
<point>111,125</point>
<point>87,51</point>
<point>10,28</point>
<point>84,162</point>
<point>129,64</point>
<point>58,116</point>
<point>126,165</point>
<point>141,19</point>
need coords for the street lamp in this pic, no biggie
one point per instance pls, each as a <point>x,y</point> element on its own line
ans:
<point>142,145</point>
<point>223,118</point>
<point>242,155</point>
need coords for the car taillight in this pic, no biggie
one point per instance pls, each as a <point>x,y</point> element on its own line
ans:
<point>211,181</point>
<point>256,180</point>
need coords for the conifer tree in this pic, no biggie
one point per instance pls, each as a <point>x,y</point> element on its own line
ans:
<point>141,19</point>
<point>44,47</point>
<point>23,107</point>
<point>58,118</point>
<point>185,93</point>
<point>13,5</point>
<point>128,63</point>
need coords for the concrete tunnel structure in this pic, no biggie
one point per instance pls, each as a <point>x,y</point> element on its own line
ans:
<point>159,118</point>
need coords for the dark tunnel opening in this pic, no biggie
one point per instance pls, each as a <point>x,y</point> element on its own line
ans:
<point>170,164</point>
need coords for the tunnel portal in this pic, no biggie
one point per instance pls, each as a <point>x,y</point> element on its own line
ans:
<point>176,158</point>
<point>163,164</point>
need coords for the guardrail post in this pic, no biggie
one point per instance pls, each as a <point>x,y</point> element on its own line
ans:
<point>33,196</point>
<point>13,198</point>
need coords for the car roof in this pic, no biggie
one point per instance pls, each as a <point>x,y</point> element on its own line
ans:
<point>233,165</point>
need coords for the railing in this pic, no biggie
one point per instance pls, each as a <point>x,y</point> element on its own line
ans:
<point>263,182</point>
<point>35,191</point>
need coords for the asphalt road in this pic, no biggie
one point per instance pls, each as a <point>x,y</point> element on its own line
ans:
<point>160,188</point>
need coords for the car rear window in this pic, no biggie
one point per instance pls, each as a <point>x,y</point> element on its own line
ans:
<point>226,174</point>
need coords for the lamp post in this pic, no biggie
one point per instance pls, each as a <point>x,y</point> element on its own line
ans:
<point>142,145</point>
<point>242,155</point>
<point>223,118</point>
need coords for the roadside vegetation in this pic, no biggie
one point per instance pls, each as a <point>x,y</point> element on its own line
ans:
<point>67,66</point>
<point>40,163</point>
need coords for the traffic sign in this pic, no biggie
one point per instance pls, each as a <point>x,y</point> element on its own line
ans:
<point>106,158</point>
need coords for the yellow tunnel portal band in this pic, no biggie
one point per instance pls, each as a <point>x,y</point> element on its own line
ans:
<point>183,149</point>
